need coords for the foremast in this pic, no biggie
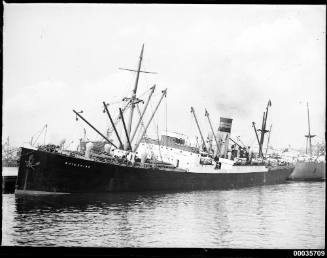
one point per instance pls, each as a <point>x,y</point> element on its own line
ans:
<point>133,100</point>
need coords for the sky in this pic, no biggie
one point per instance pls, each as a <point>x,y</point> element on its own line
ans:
<point>229,59</point>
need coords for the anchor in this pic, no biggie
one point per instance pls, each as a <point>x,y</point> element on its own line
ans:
<point>30,162</point>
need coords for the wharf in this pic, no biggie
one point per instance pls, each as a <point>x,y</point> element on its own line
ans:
<point>9,177</point>
<point>8,184</point>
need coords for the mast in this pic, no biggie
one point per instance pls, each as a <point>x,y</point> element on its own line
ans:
<point>256,134</point>
<point>263,129</point>
<point>196,121</point>
<point>134,92</point>
<point>309,135</point>
<point>133,100</point>
<point>207,115</point>
<point>94,128</point>
<point>164,93</point>
<point>113,125</point>
<point>143,112</point>
<point>262,135</point>
<point>127,137</point>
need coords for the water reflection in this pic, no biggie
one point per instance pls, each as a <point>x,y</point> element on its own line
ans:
<point>280,216</point>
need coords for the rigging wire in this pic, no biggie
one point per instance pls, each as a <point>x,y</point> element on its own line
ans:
<point>45,133</point>
<point>40,132</point>
<point>155,124</point>
<point>142,125</point>
<point>166,115</point>
<point>159,146</point>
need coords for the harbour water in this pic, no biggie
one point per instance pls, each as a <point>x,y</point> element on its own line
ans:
<point>290,215</point>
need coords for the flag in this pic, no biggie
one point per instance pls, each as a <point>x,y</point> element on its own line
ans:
<point>225,125</point>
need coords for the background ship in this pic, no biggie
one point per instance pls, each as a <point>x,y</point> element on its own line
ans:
<point>310,167</point>
<point>10,155</point>
<point>144,164</point>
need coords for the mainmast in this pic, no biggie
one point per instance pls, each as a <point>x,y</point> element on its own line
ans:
<point>256,134</point>
<point>308,136</point>
<point>263,129</point>
<point>196,121</point>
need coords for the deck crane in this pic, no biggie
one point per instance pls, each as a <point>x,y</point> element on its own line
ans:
<point>214,135</point>
<point>204,147</point>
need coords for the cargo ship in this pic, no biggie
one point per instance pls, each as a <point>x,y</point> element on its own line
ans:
<point>143,164</point>
<point>310,167</point>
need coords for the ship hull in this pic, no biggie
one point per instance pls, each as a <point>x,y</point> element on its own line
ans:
<point>309,171</point>
<point>44,172</point>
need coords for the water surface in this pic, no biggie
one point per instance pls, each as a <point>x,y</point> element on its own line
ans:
<point>290,215</point>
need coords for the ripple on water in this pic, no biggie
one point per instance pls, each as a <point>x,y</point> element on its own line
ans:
<point>281,216</point>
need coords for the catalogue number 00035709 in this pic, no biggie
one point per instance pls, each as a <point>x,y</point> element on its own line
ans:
<point>309,253</point>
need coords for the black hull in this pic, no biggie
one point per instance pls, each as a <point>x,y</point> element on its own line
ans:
<point>44,172</point>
